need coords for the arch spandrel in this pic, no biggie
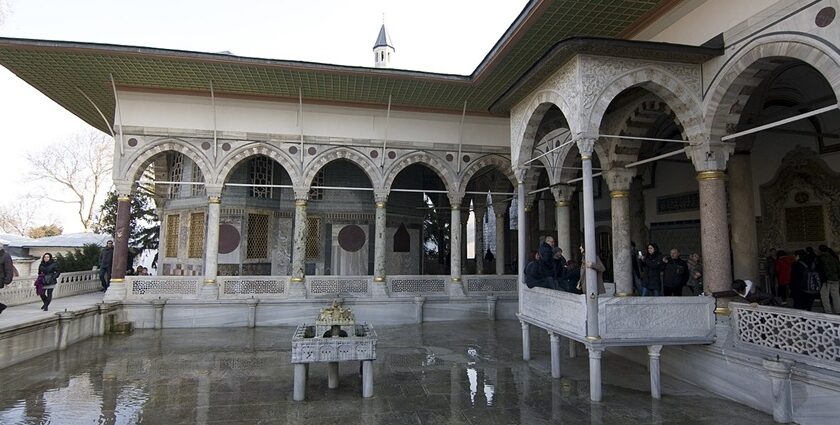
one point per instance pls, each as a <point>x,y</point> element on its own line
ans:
<point>734,76</point>
<point>524,129</point>
<point>364,162</point>
<point>136,164</point>
<point>235,157</point>
<point>447,176</point>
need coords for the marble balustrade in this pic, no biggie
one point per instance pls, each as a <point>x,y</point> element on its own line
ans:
<point>22,289</point>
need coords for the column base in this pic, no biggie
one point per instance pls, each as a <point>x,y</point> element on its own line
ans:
<point>297,287</point>
<point>456,288</point>
<point>116,292</point>
<point>210,290</point>
<point>380,288</point>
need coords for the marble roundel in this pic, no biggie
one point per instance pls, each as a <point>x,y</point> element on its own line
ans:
<point>351,238</point>
<point>228,238</point>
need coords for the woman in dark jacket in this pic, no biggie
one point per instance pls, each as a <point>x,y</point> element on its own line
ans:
<point>799,282</point>
<point>49,270</point>
<point>652,274</point>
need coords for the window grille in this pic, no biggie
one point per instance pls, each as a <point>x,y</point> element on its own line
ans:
<point>196,246</point>
<point>261,171</point>
<point>805,224</point>
<point>176,174</point>
<point>197,177</point>
<point>173,224</point>
<point>313,238</point>
<point>257,236</point>
<point>317,194</point>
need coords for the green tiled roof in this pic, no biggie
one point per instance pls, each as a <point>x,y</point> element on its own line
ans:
<point>70,73</point>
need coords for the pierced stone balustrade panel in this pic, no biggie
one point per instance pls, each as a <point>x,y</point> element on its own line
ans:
<point>411,286</point>
<point>165,287</point>
<point>333,286</point>
<point>489,284</point>
<point>239,287</point>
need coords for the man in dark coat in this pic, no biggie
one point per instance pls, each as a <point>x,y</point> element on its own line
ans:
<point>546,259</point>
<point>675,275</point>
<point>653,266</point>
<point>7,271</point>
<point>106,260</point>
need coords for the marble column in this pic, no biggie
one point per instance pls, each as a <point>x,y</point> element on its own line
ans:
<point>744,243</point>
<point>499,211</point>
<point>455,246</point>
<point>522,233</point>
<point>586,146</point>
<point>479,211</point>
<point>379,287</point>
<point>297,286</point>
<point>210,289</point>
<point>714,234</point>
<point>562,212</point>
<point>618,180</point>
<point>117,289</point>
<point>654,352</point>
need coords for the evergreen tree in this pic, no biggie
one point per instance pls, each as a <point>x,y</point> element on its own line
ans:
<point>80,259</point>
<point>144,223</point>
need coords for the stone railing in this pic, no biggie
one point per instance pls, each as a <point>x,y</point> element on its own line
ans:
<point>418,285</point>
<point>338,286</point>
<point>22,289</point>
<point>489,284</point>
<point>262,287</point>
<point>163,287</point>
<point>804,336</point>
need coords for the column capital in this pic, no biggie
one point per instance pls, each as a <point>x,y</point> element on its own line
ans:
<point>380,196</point>
<point>709,155</point>
<point>214,199</point>
<point>301,194</point>
<point>562,194</point>
<point>586,145</point>
<point>123,188</point>
<point>455,198</point>
<point>213,190</point>
<point>619,179</point>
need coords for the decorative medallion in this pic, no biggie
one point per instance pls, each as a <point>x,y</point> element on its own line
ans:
<point>374,154</point>
<point>228,238</point>
<point>466,158</point>
<point>293,150</point>
<point>351,238</point>
<point>312,150</point>
<point>392,154</point>
<point>825,17</point>
<point>225,146</point>
<point>205,145</point>
<point>801,197</point>
<point>449,157</point>
<point>132,142</point>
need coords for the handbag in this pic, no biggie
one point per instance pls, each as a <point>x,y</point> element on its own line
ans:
<point>39,285</point>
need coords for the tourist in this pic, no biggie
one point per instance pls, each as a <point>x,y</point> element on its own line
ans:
<point>695,274</point>
<point>810,257</point>
<point>652,276</point>
<point>675,274</point>
<point>546,251</point>
<point>770,267</point>
<point>799,274</point>
<point>637,273</point>
<point>829,269</point>
<point>106,259</point>
<point>784,265</point>
<point>571,278</point>
<point>489,257</point>
<point>599,268</point>
<point>7,271</point>
<point>559,264</point>
<point>535,274</point>
<point>48,269</point>
<point>746,290</point>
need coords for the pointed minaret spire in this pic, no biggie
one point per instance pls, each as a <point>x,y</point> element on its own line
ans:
<point>383,48</point>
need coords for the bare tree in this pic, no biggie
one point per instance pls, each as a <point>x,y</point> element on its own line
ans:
<point>18,218</point>
<point>5,11</point>
<point>81,168</point>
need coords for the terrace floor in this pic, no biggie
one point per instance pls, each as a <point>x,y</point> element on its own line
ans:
<point>434,373</point>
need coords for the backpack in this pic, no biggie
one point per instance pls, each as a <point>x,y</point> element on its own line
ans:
<point>813,283</point>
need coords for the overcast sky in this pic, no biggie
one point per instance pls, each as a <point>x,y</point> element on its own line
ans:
<point>432,35</point>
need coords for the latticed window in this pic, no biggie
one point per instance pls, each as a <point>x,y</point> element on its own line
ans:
<point>197,177</point>
<point>317,194</point>
<point>173,224</point>
<point>313,237</point>
<point>196,246</point>
<point>261,171</point>
<point>257,236</point>
<point>176,174</point>
<point>805,224</point>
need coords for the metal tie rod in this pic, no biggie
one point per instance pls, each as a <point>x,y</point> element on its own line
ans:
<point>780,122</point>
<point>549,151</point>
<point>580,179</point>
<point>655,158</point>
<point>648,139</point>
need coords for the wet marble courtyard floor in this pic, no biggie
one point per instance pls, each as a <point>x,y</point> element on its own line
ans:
<point>434,373</point>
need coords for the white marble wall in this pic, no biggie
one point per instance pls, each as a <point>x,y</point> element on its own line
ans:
<point>402,263</point>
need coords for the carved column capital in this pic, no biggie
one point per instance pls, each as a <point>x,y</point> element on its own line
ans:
<point>619,179</point>
<point>301,194</point>
<point>562,194</point>
<point>586,145</point>
<point>123,188</point>
<point>213,190</point>
<point>709,155</point>
<point>380,196</point>
<point>455,198</point>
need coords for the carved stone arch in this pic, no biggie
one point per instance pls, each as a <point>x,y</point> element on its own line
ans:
<point>626,122</point>
<point>501,163</point>
<point>258,148</point>
<point>552,161</point>
<point>418,157</point>
<point>364,162</point>
<point>524,131</point>
<point>668,87</point>
<point>138,163</point>
<point>733,84</point>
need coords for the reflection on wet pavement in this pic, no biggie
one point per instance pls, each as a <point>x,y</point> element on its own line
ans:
<point>434,373</point>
